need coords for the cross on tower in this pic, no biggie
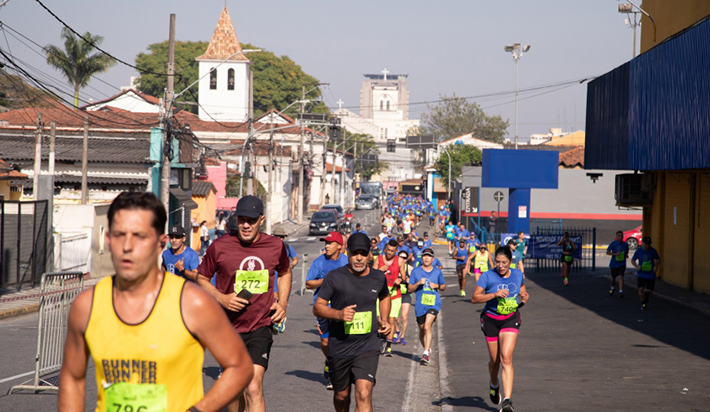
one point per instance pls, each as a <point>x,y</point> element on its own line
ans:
<point>385,71</point>
<point>340,103</point>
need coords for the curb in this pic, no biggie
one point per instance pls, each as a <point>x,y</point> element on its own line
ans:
<point>11,313</point>
<point>446,394</point>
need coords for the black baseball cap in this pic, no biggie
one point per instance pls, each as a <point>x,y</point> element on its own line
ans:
<point>428,252</point>
<point>176,231</point>
<point>646,240</point>
<point>250,206</point>
<point>358,241</point>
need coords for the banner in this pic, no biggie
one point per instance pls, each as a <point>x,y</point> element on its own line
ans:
<point>545,247</point>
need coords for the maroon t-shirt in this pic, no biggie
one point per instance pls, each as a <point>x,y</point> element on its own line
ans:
<point>227,255</point>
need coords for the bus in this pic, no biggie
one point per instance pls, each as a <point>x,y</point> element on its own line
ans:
<point>372,188</point>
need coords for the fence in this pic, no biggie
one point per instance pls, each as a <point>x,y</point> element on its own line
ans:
<point>588,259</point>
<point>23,242</point>
<point>58,290</point>
<point>74,251</point>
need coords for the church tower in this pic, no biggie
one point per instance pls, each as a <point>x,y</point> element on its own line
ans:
<point>224,88</point>
<point>385,96</point>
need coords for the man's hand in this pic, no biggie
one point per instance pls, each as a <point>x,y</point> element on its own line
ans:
<point>384,328</point>
<point>180,265</point>
<point>279,312</point>
<point>233,302</point>
<point>347,314</point>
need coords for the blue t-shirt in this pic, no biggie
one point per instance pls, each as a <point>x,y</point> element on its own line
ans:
<point>427,243</point>
<point>291,253</point>
<point>461,253</point>
<point>464,234</point>
<point>517,257</point>
<point>491,282</point>
<point>383,243</point>
<point>404,248</point>
<point>472,245</point>
<point>618,261</point>
<point>645,260</point>
<point>321,266</point>
<point>192,260</point>
<point>434,276</point>
<point>360,231</point>
<point>436,263</point>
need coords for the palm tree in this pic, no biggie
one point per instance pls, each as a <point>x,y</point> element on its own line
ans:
<point>76,62</point>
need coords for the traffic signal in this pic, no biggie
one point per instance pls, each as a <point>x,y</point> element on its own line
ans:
<point>391,145</point>
<point>334,132</point>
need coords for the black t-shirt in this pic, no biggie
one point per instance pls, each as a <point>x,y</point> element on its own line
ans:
<point>342,288</point>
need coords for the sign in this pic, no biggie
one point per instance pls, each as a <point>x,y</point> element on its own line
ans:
<point>522,212</point>
<point>420,142</point>
<point>313,117</point>
<point>505,237</point>
<point>469,197</point>
<point>545,247</point>
<point>498,196</point>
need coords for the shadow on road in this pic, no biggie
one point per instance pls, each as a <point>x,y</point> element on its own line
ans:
<point>307,375</point>
<point>470,401</point>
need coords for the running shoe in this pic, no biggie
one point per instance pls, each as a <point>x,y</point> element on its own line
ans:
<point>507,406</point>
<point>621,295</point>
<point>425,359</point>
<point>566,282</point>
<point>402,341</point>
<point>280,327</point>
<point>326,372</point>
<point>495,395</point>
<point>611,292</point>
<point>643,306</point>
<point>462,293</point>
<point>329,385</point>
<point>388,353</point>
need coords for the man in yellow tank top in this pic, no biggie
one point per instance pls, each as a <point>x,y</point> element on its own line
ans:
<point>146,329</point>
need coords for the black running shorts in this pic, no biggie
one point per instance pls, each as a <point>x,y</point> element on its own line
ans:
<point>345,371</point>
<point>258,343</point>
<point>618,271</point>
<point>492,325</point>
<point>422,319</point>
<point>647,284</point>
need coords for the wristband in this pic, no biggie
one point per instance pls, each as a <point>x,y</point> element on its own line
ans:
<point>193,409</point>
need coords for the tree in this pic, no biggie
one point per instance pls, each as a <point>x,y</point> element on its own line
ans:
<point>461,155</point>
<point>76,61</point>
<point>277,80</point>
<point>455,116</point>
<point>366,167</point>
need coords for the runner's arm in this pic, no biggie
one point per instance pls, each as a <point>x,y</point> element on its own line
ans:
<point>72,390</point>
<point>207,321</point>
<point>322,310</point>
<point>480,295</point>
<point>284,282</point>
<point>191,274</point>
<point>228,301</point>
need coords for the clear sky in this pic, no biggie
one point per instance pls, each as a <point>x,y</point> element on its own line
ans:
<point>446,47</point>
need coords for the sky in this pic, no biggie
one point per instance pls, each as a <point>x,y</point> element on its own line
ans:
<point>446,47</point>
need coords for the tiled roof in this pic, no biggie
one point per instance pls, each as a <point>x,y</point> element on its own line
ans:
<point>148,98</point>
<point>93,180</point>
<point>202,187</point>
<point>224,41</point>
<point>65,117</point>
<point>69,149</point>
<point>573,158</point>
<point>5,166</point>
<point>12,174</point>
<point>338,169</point>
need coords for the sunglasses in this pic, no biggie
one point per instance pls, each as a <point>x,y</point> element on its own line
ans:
<point>360,253</point>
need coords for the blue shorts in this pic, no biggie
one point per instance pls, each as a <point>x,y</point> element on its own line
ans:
<point>323,328</point>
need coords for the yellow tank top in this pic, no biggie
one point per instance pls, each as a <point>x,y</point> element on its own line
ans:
<point>156,364</point>
<point>481,262</point>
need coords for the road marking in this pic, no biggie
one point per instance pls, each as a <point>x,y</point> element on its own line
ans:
<point>295,239</point>
<point>311,238</point>
<point>16,376</point>
<point>408,394</point>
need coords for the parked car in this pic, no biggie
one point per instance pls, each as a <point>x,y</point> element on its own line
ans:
<point>324,221</point>
<point>633,237</point>
<point>366,202</point>
<point>334,207</point>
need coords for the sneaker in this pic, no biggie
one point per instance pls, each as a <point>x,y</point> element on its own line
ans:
<point>388,353</point>
<point>329,385</point>
<point>402,341</point>
<point>507,406</point>
<point>495,395</point>
<point>425,359</point>
<point>396,336</point>
<point>611,292</point>
<point>280,327</point>
<point>462,293</point>
<point>326,372</point>
<point>643,306</point>
<point>566,282</point>
<point>621,295</point>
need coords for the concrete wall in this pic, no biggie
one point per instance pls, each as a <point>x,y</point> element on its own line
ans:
<point>670,17</point>
<point>92,220</point>
<point>221,104</point>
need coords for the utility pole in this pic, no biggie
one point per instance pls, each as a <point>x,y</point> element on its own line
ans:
<point>270,186</point>
<point>342,179</point>
<point>52,138</point>
<point>85,162</point>
<point>38,157</point>
<point>250,145</point>
<point>324,172</point>
<point>299,203</point>
<point>165,175</point>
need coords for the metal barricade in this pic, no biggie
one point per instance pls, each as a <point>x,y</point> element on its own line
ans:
<point>304,271</point>
<point>58,290</point>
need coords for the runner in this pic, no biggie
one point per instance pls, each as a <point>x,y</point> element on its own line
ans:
<point>330,260</point>
<point>568,248</point>
<point>374,250</point>
<point>406,303</point>
<point>179,259</point>
<point>142,307</point>
<point>393,267</point>
<point>480,260</point>
<point>245,264</point>
<point>426,281</point>
<point>358,229</point>
<point>427,241</point>
<point>522,247</point>
<point>517,259</point>
<point>646,260</point>
<point>503,291</point>
<point>619,252</point>
<point>204,237</point>
<point>451,237</point>
<point>354,291</point>
<point>461,255</point>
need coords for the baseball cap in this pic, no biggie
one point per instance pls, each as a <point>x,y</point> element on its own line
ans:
<point>176,230</point>
<point>512,242</point>
<point>428,252</point>
<point>426,233</point>
<point>250,206</point>
<point>338,238</point>
<point>358,241</point>
<point>646,240</point>
<point>279,231</point>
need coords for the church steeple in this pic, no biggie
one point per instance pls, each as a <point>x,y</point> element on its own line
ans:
<point>224,41</point>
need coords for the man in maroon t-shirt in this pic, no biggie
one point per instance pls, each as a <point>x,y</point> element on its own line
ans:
<point>245,264</point>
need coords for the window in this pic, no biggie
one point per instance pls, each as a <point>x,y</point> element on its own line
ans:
<point>230,79</point>
<point>213,79</point>
<point>388,105</point>
<point>381,104</point>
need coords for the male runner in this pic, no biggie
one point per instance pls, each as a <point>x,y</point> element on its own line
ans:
<point>394,268</point>
<point>619,252</point>
<point>353,292</point>
<point>146,329</point>
<point>331,259</point>
<point>245,264</point>
<point>427,281</point>
<point>179,259</point>
<point>646,260</point>
<point>517,261</point>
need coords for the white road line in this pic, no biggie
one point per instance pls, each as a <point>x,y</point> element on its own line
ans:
<point>16,376</point>
<point>311,238</point>
<point>408,394</point>
<point>443,366</point>
<point>295,239</point>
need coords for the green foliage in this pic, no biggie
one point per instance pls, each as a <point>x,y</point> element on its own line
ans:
<point>365,144</point>
<point>455,116</point>
<point>461,155</point>
<point>277,80</point>
<point>232,188</point>
<point>76,61</point>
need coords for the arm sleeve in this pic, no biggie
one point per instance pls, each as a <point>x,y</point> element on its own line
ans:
<point>384,289</point>
<point>483,280</point>
<point>636,255</point>
<point>284,261</point>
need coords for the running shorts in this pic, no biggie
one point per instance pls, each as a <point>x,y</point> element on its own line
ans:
<point>258,343</point>
<point>619,271</point>
<point>323,328</point>
<point>647,284</point>
<point>422,319</point>
<point>460,268</point>
<point>395,307</point>
<point>407,298</point>
<point>345,371</point>
<point>492,325</point>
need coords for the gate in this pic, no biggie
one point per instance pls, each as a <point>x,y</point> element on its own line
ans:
<point>588,260</point>
<point>57,291</point>
<point>23,242</point>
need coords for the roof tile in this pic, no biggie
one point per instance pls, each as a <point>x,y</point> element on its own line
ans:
<point>224,41</point>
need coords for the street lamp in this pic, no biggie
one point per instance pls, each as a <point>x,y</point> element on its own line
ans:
<point>301,159</point>
<point>517,50</point>
<point>448,193</point>
<point>629,8</point>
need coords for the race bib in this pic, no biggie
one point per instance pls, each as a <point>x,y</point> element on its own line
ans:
<point>512,265</point>
<point>428,299</point>
<point>620,257</point>
<point>403,288</point>
<point>449,235</point>
<point>393,291</point>
<point>646,266</point>
<point>471,248</point>
<point>255,281</point>
<point>136,397</point>
<point>568,258</point>
<point>360,325</point>
<point>507,306</point>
